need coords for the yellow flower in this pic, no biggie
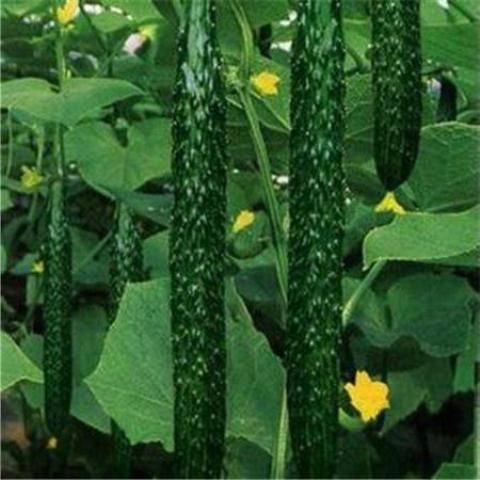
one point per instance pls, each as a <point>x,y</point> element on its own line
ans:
<point>244,219</point>
<point>52,443</point>
<point>31,177</point>
<point>68,12</point>
<point>265,83</point>
<point>38,267</point>
<point>390,204</point>
<point>368,397</point>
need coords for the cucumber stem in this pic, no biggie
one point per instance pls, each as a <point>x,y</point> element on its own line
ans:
<point>352,302</point>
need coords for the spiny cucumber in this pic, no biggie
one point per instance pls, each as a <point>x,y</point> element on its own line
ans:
<point>316,193</point>
<point>197,247</point>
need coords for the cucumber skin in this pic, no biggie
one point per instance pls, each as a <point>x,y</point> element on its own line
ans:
<point>126,266</point>
<point>57,355</point>
<point>197,248</point>
<point>316,192</point>
<point>397,85</point>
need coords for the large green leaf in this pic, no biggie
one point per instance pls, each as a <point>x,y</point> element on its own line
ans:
<point>15,365</point>
<point>80,97</point>
<point>425,237</point>
<point>430,382</point>
<point>133,380</point>
<point>23,7</point>
<point>104,162</point>
<point>435,310</point>
<point>454,46</point>
<point>450,471</point>
<point>445,176</point>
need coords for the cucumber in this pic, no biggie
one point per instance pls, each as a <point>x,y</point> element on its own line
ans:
<point>396,80</point>
<point>316,192</point>
<point>197,247</point>
<point>126,266</point>
<point>57,355</point>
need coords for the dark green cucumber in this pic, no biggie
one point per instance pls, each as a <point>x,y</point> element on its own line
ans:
<point>197,247</point>
<point>396,77</point>
<point>57,356</point>
<point>126,266</point>
<point>316,193</point>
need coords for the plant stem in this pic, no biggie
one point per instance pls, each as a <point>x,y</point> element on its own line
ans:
<point>280,449</point>
<point>361,65</point>
<point>267,183</point>
<point>93,253</point>
<point>366,283</point>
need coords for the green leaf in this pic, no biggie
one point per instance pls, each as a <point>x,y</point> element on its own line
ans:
<point>449,471</point>
<point>136,369</point>
<point>435,310</point>
<point>445,176</point>
<point>140,10</point>
<point>244,459</point>
<point>430,382</point>
<point>6,200</point>
<point>454,46</point>
<point>108,22</point>
<point>155,254</point>
<point>154,207</point>
<point>103,161</point>
<point>424,237</point>
<point>23,7</point>
<point>136,366</point>
<point>15,365</point>
<point>465,452</point>
<point>464,380</point>
<point>80,98</point>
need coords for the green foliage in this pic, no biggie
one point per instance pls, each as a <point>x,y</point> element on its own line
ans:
<point>142,330</point>
<point>409,320</point>
<point>15,365</point>
<point>424,237</point>
<point>104,162</point>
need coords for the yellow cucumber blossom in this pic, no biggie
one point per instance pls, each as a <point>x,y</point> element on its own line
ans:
<point>390,204</point>
<point>31,177</point>
<point>244,219</point>
<point>38,267</point>
<point>265,83</point>
<point>67,12</point>
<point>370,398</point>
<point>52,443</point>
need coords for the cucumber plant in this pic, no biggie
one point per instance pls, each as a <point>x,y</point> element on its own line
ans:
<point>126,265</point>
<point>57,359</point>
<point>396,78</point>
<point>197,247</point>
<point>315,242</point>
